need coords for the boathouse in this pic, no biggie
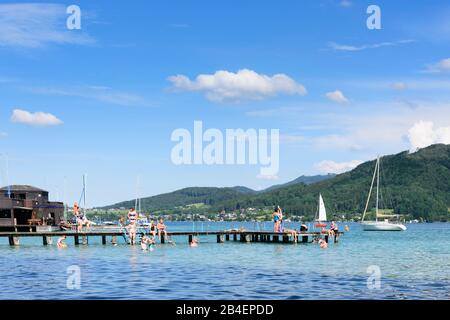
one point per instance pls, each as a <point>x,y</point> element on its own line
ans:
<point>22,205</point>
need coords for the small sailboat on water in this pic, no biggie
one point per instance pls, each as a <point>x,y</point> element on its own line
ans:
<point>377,225</point>
<point>321,217</point>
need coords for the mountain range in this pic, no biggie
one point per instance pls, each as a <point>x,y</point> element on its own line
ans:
<point>415,184</point>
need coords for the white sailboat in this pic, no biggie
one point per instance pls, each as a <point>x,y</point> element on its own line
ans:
<point>322,216</point>
<point>377,225</point>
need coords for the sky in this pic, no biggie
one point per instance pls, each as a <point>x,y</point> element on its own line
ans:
<point>104,100</point>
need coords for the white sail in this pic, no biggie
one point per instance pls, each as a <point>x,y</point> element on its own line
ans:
<point>322,210</point>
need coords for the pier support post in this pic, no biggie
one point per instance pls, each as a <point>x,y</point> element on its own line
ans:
<point>248,238</point>
<point>285,239</point>
<point>163,240</point>
<point>44,240</point>
<point>276,239</point>
<point>220,238</point>
<point>227,237</point>
<point>11,240</point>
<point>103,240</point>
<point>305,239</point>
<point>76,240</point>
<point>234,237</point>
<point>326,238</point>
<point>190,239</point>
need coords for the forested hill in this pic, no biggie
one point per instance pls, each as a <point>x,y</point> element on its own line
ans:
<point>417,184</point>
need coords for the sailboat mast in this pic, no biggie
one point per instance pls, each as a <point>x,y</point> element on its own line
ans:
<point>84,192</point>
<point>370,191</point>
<point>378,187</point>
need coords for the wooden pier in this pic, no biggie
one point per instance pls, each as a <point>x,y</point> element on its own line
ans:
<point>245,236</point>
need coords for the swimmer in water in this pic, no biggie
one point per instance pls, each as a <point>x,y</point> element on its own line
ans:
<point>323,244</point>
<point>194,243</point>
<point>346,228</point>
<point>61,244</point>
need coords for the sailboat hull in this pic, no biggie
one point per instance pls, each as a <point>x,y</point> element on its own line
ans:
<point>382,226</point>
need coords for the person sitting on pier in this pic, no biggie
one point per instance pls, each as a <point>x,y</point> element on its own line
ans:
<point>81,218</point>
<point>61,244</point>
<point>161,228</point>
<point>153,228</point>
<point>334,228</point>
<point>293,234</point>
<point>132,219</point>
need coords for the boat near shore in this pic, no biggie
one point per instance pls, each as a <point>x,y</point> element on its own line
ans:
<point>384,225</point>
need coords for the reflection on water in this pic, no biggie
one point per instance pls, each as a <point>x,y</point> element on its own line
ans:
<point>414,265</point>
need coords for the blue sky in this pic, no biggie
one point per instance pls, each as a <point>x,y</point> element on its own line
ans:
<point>109,105</point>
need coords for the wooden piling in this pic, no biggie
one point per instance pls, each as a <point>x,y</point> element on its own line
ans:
<point>76,240</point>
<point>11,240</point>
<point>220,238</point>
<point>275,239</point>
<point>190,238</point>
<point>44,240</point>
<point>234,237</point>
<point>227,237</point>
<point>285,239</point>
<point>103,240</point>
<point>163,240</point>
<point>326,238</point>
<point>305,239</point>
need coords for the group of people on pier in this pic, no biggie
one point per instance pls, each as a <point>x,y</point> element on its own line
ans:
<point>146,241</point>
<point>278,227</point>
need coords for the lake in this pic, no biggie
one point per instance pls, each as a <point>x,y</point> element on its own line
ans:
<point>414,264</point>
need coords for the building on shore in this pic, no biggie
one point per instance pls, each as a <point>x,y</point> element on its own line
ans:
<point>22,205</point>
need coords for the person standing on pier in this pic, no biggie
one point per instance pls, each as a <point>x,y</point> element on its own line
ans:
<point>132,218</point>
<point>276,220</point>
<point>78,218</point>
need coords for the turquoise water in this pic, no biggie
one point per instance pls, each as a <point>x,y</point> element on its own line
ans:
<point>414,264</point>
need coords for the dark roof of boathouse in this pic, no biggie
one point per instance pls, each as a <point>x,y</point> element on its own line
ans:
<point>21,188</point>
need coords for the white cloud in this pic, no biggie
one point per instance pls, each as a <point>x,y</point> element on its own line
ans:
<point>329,166</point>
<point>267,177</point>
<point>291,139</point>
<point>345,3</point>
<point>99,93</point>
<point>399,86</point>
<point>34,119</point>
<point>441,66</point>
<point>337,96</point>
<point>34,25</point>
<point>225,86</point>
<point>423,134</point>
<point>346,47</point>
